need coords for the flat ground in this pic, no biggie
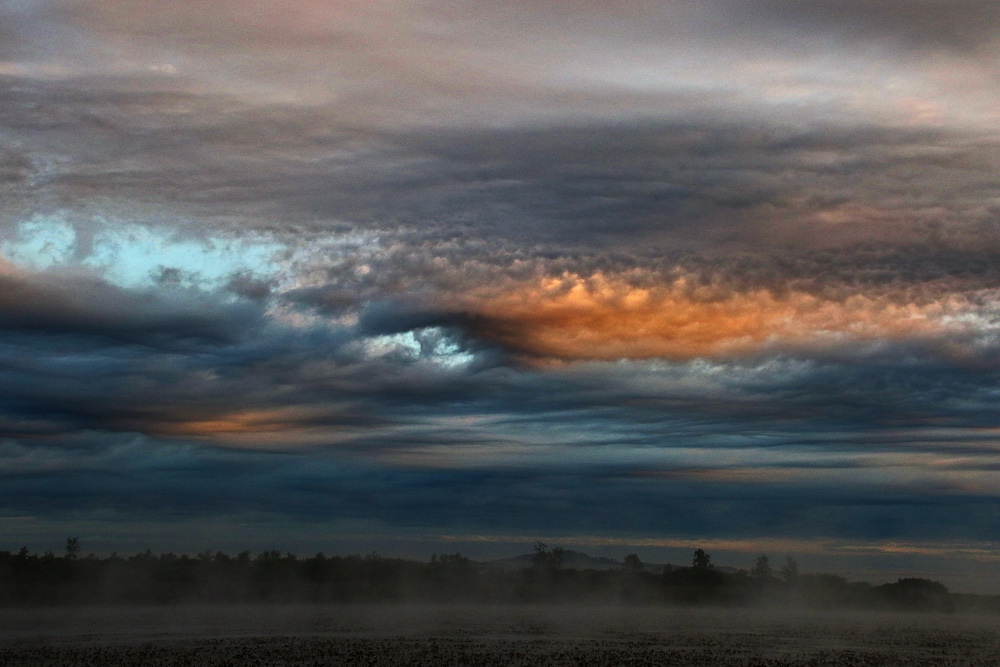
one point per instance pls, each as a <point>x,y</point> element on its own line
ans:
<point>511,635</point>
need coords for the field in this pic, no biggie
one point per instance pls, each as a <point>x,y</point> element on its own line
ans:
<point>463,635</point>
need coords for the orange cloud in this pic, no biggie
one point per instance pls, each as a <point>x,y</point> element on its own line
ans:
<point>245,422</point>
<point>297,426</point>
<point>604,318</point>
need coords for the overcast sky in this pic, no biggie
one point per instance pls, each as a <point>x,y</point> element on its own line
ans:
<point>437,276</point>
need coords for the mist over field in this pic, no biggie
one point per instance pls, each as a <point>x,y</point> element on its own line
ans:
<point>424,277</point>
<point>507,635</point>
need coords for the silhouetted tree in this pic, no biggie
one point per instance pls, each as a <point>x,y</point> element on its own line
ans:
<point>449,576</point>
<point>539,553</point>
<point>702,583</point>
<point>790,570</point>
<point>72,548</point>
<point>632,563</point>
<point>913,594</point>
<point>761,568</point>
<point>543,559</point>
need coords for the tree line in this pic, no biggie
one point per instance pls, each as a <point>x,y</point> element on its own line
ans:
<point>275,577</point>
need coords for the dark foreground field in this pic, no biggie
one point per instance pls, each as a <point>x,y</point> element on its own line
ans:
<point>451,635</point>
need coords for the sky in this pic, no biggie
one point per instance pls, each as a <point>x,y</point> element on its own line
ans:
<point>427,276</point>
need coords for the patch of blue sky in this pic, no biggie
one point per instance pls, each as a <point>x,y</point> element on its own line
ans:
<point>40,244</point>
<point>134,255</point>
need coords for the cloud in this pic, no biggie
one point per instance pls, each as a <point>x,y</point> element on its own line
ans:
<point>346,423</point>
<point>648,269</point>
<point>573,317</point>
<point>699,190</point>
<point>925,25</point>
<point>476,63</point>
<point>88,306</point>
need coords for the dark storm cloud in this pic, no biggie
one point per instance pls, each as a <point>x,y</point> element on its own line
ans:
<point>83,305</point>
<point>282,380</point>
<point>632,444</point>
<point>83,354</point>
<point>250,287</point>
<point>702,183</point>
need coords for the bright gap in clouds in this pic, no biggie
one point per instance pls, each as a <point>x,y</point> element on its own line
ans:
<point>132,255</point>
<point>428,343</point>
